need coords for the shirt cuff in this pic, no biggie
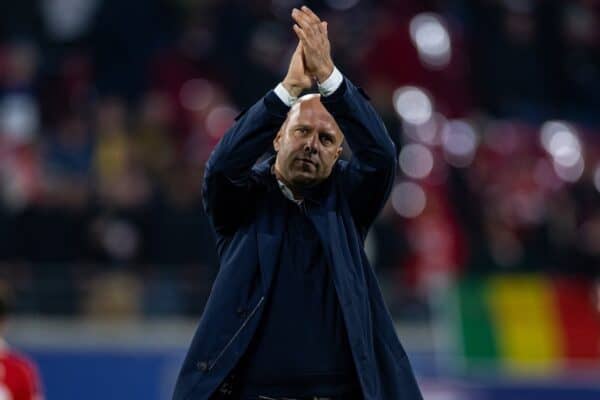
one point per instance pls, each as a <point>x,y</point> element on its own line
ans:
<point>285,96</point>
<point>332,83</point>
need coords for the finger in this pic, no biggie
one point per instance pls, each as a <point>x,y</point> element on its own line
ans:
<point>297,50</point>
<point>308,22</point>
<point>301,19</point>
<point>314,17</point>
<point>319,32</point>
<point>323,28</point>
<point>308,33</point>
<point>300,33</point>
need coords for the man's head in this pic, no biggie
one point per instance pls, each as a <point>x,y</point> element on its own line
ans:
<point>308,144</point>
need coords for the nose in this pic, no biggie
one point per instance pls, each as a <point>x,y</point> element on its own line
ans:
<point>310,146</point>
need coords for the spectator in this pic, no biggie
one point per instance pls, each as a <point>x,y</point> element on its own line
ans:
<point>19,380</point>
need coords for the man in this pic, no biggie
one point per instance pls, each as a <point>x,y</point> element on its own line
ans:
<point>18,376</point>
<point>295,311</point>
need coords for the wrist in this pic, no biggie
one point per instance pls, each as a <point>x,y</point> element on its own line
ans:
<point>293,89</point>
<point>324,73</point>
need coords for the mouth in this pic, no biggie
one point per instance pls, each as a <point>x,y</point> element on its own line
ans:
<point>307,161</point>
<point>307,164</point>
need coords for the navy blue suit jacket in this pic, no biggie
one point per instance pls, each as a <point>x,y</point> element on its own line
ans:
<point>247,214</point>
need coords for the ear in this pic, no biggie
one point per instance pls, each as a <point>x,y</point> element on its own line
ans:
<point>338,152</point>
<point>277,140</point>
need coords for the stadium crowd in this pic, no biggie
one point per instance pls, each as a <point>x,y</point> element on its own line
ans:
<point>109,110</point>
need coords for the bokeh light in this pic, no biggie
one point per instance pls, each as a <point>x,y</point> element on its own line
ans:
<point>428,132</point>
<point>552,128</point>
<point>196,94</point>
<point>570,173</point>
<point>416,160</point>
<point>219,119</point>
<point>120,239</point>
<point>459,142</point>
<point>432,39</point>
<point>19,117</point>
<point>562,143</point>
<point>413,105</point>
<point>597,177</point>
<point>565,148</point>
<point>408,199</point>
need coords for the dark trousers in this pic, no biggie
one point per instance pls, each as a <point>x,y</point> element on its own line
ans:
<point>233,389</point>
<point>236,395</point>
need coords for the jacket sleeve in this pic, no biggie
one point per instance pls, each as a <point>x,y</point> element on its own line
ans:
<point>368,178</point>
<point>226,188</point>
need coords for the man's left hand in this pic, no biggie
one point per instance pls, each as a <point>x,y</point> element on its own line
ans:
<point>312,32</point>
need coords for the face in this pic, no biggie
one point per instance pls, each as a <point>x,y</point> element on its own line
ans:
<point>308,144</point>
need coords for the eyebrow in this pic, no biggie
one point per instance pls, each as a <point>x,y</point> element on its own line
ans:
<point>331,134</point>
<point>300,125</point>
<point>328,133</point>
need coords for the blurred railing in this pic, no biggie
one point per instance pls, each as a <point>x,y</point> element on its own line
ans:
<point>103,291</point>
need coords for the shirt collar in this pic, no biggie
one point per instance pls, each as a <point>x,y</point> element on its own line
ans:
<point>287,192</point>
<point>310,194</point>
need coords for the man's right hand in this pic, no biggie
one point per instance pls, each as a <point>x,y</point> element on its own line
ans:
<point>312,33</point>
<point>297,79</point>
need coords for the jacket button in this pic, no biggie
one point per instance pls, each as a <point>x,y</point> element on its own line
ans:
<point>241,312</point>
<point>202,366</point>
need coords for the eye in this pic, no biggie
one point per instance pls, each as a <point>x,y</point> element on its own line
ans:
<point>303,130</point>
<point>326,140</point>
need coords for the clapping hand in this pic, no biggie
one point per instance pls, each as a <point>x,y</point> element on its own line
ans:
<point>312,33</point>
<point>297,78</point>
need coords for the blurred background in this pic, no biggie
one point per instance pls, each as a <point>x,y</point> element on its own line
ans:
<point>488,250</point>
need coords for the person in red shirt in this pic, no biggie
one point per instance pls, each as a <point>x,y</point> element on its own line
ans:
<point>19,379</point>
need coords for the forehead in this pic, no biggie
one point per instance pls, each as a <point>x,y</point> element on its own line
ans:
<point>312,112</point>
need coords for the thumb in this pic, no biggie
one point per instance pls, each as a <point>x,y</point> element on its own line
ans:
<point>299,51</point>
